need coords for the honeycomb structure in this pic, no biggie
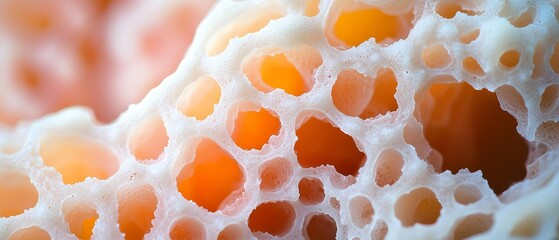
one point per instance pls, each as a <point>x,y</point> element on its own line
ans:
<point>315,119</point>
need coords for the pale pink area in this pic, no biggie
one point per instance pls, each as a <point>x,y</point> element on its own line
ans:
<point>102,54</point>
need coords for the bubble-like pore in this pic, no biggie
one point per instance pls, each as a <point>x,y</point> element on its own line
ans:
<point>311,8</point>
<point>30,233</point>
<point>355,94</point>
<point>379,230</point>
<point>321,143</point>
<point>319,226</point>
<point>136,207</point>
<point>361,211</point>
<point>473,225</point>
<point>550,98</point>
<point>253,129</point>
<point>245,23</point>
<point>77,157</point>
<point>199,98</point>
<point>435,55</point>
<point>274,174</point>
<point>548,133</point>
<point>525,19</point>
<point>349,24</point>
<point>149,139</point>
<point>311,191</point>
<point>470,130</point>
<point>448,9</point>
<point>418,206</point>
<point>469,36</point>
<point>291,70</point>
<point>274,218</point>
<point>467,194</point>
<point>231,232</point>
<point>527,227</point>
<point>187,228</point>
<point>554,60</point>
<point>197,182</point>
<point>472,66</point>
<point>80,215</point>
<point>388,167</point>
<point>17,193</point>
<point>509,59</point>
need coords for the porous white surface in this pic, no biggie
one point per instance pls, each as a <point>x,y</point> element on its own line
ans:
<point>536,197</point>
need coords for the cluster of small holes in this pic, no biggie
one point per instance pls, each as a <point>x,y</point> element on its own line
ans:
<point>355,94</point>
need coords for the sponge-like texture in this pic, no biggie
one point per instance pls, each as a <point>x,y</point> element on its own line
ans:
<point>328,119</point>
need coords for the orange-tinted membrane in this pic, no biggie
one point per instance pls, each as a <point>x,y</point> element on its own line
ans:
<point>278,72</point>
<point>247,23</point>
<point>471,65</point>
<point>76,157</point>
<point>80,217</point>
<point>383,100</point>
<point>321,227</point>
<point>320,143</point>
<point>17,193</point>
<point>187,228</point>
<point>253,129</point>
<point>136,209</point>
<point>470,130</point>
<point>357,26</point>
<point>419,206</point>
<point>510,59</point>
<point>450,9</point>
<point>199,98</point>
<point>30,233</point>
<point>311,7</point>
<point>148,139</point>
<point>211,177</point>
<point>554,60</point>
<point>275,218</point>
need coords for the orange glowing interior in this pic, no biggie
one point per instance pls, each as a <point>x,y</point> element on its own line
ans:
<point>136,207</point>
<point>321,143</point>
<point>357,26</point>
<point>278,72</point>
<point>80,216</point>
<point>253,129</point>
<point>197,181</point>
<point>470,130</point>
<point>275,218</point>
<point>198,98</point>
<point>17,193</point>
<point>78,157</point>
